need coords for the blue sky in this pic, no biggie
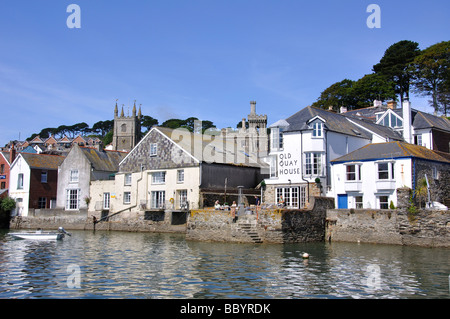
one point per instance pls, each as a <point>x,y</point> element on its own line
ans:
<point>202,58</point>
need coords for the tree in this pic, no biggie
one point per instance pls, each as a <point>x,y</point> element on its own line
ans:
<point>432,73</point>
<point>395,65</point>
<point>148,122</point>
<point>336,95</point>
<point>372,87</point>
<point>103,127</point>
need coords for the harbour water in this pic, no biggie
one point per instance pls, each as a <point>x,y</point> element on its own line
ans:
<point>150,265</point>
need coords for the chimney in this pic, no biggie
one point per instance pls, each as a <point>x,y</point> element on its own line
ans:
<point>12,154</point>
<point>343,109</point>
<point>392,104</point>
<point>252,107</point>
<point>406,109</point>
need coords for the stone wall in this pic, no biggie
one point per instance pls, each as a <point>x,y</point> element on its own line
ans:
<point>428,228</point>
<point>267,225</point>
<point>160,221</point>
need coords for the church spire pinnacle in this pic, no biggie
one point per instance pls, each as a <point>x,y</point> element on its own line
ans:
<point>116,111</point>
<point>134,109</point>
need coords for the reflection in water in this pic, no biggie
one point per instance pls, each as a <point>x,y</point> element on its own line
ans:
<point>146,265</point>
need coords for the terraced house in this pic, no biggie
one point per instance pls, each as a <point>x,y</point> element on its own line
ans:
<point>178,170</point>
<point>370,176</point>
<point>302,147</point>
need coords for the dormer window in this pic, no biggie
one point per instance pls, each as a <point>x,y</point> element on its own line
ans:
<point>391,120</point>
<point>318,129</point>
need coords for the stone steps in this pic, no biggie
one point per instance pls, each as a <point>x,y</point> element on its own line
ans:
<point>251,232</point>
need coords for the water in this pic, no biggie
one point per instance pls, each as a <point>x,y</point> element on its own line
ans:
<point>148,265</point>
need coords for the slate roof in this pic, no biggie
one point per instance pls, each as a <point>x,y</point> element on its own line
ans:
<point>44,161</point>
<point>337,123</point>
<point>424,120</point>
<point>420,120</point>
<point>107,161</point>
<point>392,150</point>
<point>221,152</point>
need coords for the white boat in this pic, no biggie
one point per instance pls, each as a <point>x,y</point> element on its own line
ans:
<point>42,235</point>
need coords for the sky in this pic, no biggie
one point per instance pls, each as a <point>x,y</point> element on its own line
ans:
<point>192,58</point>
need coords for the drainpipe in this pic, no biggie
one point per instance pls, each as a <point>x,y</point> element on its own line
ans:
<point>301,160</point>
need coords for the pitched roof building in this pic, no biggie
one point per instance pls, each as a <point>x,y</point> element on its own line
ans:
<point>370,176</point>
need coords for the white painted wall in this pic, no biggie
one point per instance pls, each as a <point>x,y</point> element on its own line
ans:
<point>369,182</point>
<point>20,166</point>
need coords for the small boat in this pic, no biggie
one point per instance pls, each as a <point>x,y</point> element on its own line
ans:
<point>42,235</point>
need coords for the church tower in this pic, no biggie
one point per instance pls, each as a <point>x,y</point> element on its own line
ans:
<point>127,129</point>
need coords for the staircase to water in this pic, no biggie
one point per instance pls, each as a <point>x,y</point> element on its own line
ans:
<point>250,230</point>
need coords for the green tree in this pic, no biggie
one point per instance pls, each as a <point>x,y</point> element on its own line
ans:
<point>395,65</point>
<point>432,72</point>
<point>336,95</point>
<point>102,127</point>
<point>7,204</point>
<point>148,122</point>
<point>372,87</point>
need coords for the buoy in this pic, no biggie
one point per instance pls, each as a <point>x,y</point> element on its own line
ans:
<point>305,255</point>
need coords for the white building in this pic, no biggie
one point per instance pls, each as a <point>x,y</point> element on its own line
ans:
<point>370,176</point>
<point>302,146</point>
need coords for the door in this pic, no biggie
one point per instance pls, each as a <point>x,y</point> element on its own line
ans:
<point>342,201</point>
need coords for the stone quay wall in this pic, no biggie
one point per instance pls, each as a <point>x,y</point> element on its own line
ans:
<point>406,225</point>
<point>427,228</point>
<point>51,219</point>
<point>268,225</point>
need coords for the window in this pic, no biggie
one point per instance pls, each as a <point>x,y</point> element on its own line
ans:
<point>317,129</point>
<point>418,139</point>
<point>2,169</point>
<point>153,149</point>
<point>158,199</point>
<point>293,197</point>
<point>123,127</point>
<point>20,181</point>
<point>73,176</point>
<point>353,172</point>
<point>313,164</point>
<point>158,178</point>
<point>180,176</point>
<point>435,173</point>
<point>44,175</point>
<point>3,185</point>
<point>383,171</point>
<point>358,202</point>
<point>127,197</point>
<point>273,166</point>
<point>128,179</point>
<point>72,199</point>
<point>391,120</point>
<point>182,198</point>
<point>276,138</point>
<point>384,202</point>
<point>106,200</point>
<point>386,170</point>
<point>42,202</point>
